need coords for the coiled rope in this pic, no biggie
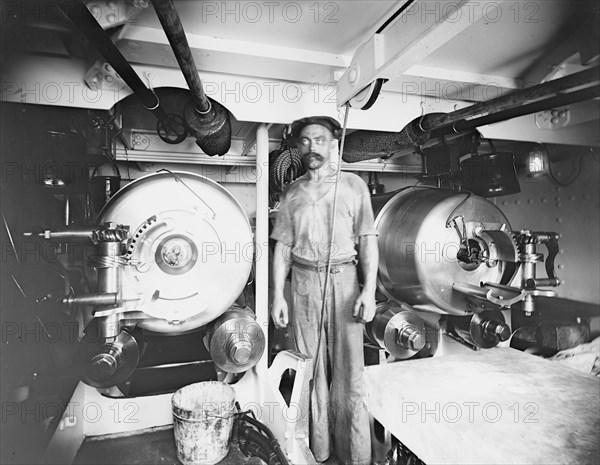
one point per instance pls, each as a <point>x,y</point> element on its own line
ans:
<point>285,166</point>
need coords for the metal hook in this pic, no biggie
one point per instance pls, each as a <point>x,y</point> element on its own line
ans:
<point>149,78</point>
<point>422,103</point>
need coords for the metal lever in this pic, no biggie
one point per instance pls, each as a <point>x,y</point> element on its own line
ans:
<point>523,294</point>
<point>484,292</point>
<point>550,240</point>
<point>501,301</point>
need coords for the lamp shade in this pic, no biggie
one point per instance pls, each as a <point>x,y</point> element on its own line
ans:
<point>490,175</point>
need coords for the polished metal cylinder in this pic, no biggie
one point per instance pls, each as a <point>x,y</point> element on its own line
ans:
<point>91,299</point>
<point>109,282</point>
<point>235,341</point>
<point>109,276</point>
<point>419,245</point>
<point>398,329</point>
<point>529,262</point>
<point>112,362</point>
<point>481,330</point>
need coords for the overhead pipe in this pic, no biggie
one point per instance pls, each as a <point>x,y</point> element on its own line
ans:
<point>171,128</point>
<point>514,100</point>
<point>207,119</point>
<point>464,125</point>
<point>425,131</point>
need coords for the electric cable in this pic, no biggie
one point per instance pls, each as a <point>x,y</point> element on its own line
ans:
<point>263,438</point>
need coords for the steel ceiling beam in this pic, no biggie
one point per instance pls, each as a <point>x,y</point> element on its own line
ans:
<point>404,44</point>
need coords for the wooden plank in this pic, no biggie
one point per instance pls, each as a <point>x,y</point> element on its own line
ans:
<point>493,406</point>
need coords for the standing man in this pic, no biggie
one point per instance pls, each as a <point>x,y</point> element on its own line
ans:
<point>331,332</point>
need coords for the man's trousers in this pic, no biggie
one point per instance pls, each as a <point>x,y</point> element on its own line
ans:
<point>337,396</point>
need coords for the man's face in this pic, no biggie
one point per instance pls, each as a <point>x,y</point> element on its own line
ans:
<point>316,144</point>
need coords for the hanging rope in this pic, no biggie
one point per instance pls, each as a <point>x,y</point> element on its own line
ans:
<point>285,166</point>
<point>331,232</point>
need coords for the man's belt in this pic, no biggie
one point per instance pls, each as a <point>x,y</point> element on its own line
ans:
<point>335,267</point>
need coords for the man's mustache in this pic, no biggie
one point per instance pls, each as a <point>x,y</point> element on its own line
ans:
<point>316,155</point>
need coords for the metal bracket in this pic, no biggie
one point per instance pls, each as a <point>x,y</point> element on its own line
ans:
<point>405,42</point>
<point>102,76</point>
<point>113,13</point>
<point>139,141</point>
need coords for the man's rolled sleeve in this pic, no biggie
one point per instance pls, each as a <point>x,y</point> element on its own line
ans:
<point>283,231</point>
<point>364,220</point>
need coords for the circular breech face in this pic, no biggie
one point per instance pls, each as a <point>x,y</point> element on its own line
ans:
<point>189,253</point>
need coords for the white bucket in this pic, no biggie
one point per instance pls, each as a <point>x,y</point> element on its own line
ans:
<point>202,422</point>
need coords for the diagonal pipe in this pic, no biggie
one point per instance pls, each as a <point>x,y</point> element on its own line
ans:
<point>81,17</point>
<point>207,119</point>
<point>170,127</point>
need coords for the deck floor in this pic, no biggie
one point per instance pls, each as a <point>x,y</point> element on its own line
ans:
<point>149,448</point>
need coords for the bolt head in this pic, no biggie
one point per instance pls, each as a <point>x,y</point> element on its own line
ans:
<point>503,332</point>
<point>241,352</point>
<point>103,366</point>
<point>416,341</point>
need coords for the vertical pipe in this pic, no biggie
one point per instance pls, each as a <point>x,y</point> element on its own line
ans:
<point>261,239</point>
<point>109,281</point>
<point>528,273</point>
<point>67,210</point>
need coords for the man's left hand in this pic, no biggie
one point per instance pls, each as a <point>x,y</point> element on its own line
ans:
<point>364,307</point>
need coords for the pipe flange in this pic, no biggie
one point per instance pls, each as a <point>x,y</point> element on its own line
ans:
<point>176,254</point>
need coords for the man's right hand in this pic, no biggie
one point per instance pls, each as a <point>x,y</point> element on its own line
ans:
<point>279,312</point>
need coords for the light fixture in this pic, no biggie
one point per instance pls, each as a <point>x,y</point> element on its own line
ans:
<point>539,164</point>
<point>537,161</point>
<point>490,174</point>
